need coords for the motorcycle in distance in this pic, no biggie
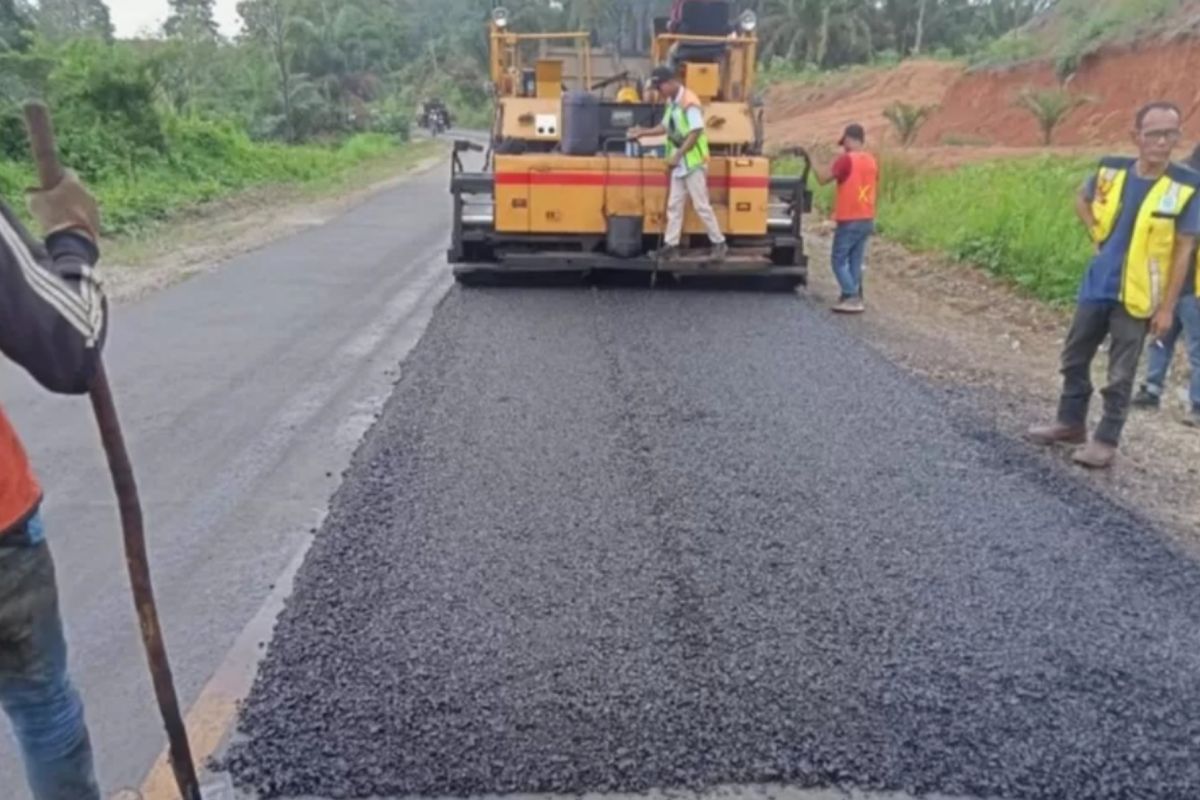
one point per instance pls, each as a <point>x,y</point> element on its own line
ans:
<point>435,118</point>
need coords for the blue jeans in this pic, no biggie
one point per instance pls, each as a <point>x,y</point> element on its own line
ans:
<point>849,253</point>
<point>1187,323</point>
<point>35,691</point>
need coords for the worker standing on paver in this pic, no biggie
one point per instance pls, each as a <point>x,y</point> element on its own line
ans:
<point>52,323</point>
<point>1143,216</point>
<point>1162,351</point>
<point>857,176</point>
<point>687,156</point>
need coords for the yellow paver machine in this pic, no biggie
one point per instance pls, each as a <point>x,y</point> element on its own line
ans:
<point>565,190</point>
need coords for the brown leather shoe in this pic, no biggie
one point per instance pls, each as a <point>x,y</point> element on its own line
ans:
<point>1057,433</point>
<point>1096,455</point>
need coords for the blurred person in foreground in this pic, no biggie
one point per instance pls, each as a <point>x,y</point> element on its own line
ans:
<point>52,323</point>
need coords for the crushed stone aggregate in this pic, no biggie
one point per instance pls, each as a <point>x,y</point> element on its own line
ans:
<point>614,540</point>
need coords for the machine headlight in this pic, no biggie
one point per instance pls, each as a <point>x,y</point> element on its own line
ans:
<point>748,21</point>
<point>500,17</point>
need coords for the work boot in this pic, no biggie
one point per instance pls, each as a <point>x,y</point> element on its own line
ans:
<point>719,252</point>
<point>1057,433</point>
<point>1192,420</point>
<point>1147,399</point>
<point>667,253</point>
<point>1096,455</point>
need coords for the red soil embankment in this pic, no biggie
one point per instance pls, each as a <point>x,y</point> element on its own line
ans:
<point>806,114</point>
<point>976,110</point>
<point>981,106</point>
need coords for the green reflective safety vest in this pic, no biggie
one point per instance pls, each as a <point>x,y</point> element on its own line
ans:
<point>678,129</point>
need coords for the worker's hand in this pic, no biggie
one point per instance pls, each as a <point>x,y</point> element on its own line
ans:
<point>1162,322</point>
<point>635,133</point>
<point>674,160</point>
<point>66,207</point>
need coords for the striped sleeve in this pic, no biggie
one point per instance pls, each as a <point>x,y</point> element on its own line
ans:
<point>52,309</point>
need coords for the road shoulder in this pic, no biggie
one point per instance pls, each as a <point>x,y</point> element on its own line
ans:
<point>208,236</point>
<point>998,350</point>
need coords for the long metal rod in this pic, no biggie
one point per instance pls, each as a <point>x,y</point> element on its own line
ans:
<point>50,172</point>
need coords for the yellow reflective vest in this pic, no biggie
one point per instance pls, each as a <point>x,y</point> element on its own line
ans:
<point>679,128</point>
<point>1147,272</point>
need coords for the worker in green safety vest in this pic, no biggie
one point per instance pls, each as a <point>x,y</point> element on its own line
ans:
<point>687,156</point>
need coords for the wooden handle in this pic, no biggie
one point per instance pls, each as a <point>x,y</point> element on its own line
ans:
<point>43,145</point>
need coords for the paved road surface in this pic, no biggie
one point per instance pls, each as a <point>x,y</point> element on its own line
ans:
<point>615,540</point>
<point>244,392</point>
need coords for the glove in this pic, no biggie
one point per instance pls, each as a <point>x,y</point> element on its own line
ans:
<point>66,207</point>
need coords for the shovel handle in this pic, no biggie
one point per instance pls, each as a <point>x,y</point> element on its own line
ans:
<point>43,144</point>
<point>50,173</point>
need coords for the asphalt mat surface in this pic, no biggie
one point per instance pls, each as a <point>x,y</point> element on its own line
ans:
<point>614,540</point>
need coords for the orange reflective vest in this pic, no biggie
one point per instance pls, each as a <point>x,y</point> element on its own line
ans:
<point>856,195</point>
<point>19,490</point>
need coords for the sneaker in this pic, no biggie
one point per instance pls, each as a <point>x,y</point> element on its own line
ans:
<point>850,305</point>
<point>1147,399</point>
<point>1192,420</point>
<point>719,252</point>
<point>668,253</point>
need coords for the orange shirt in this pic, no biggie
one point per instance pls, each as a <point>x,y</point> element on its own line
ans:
<point>19,490</point>
<point>857,174</point>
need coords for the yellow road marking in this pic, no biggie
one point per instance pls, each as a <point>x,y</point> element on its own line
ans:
<point>211,719</point>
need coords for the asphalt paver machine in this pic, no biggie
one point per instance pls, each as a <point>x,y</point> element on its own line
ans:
<point>564,189</point>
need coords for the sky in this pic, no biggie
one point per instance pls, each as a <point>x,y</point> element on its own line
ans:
<point>134,17</point>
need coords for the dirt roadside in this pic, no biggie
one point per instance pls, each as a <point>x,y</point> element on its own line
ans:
<point>203,239</point>
<point>962,329</point>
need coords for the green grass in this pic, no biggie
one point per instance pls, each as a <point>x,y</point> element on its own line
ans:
<point>1013,218</point>
<point>206,161</point>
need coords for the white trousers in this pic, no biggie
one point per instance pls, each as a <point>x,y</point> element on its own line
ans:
<point>695,185</point>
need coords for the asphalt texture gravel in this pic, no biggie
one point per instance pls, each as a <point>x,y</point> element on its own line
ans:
<point>609,540</point>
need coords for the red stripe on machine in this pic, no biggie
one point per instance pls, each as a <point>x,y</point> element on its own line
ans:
<point>619,179</point>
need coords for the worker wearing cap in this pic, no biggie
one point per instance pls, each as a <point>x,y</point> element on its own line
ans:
<point>687,156</point>
<point>857,176</point>
<point>52,323</point>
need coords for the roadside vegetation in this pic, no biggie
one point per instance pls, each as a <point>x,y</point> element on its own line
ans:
<point>1014,218</point>
<point>1050,108</point>
<point>310,91</point>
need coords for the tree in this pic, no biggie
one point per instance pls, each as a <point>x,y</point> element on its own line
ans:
<point>907,120</point>
<point>1050,107</point>
<point>273,24</point>
<point>60,20</point>
<point>16,25</point>
<point>192,19</point>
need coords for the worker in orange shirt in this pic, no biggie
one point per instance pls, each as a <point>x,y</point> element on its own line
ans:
<point>857,176</point>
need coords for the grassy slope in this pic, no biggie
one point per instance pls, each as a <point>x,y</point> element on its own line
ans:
<point>1014,218</point>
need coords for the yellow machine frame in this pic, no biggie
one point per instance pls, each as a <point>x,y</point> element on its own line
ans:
<point>547,205</point>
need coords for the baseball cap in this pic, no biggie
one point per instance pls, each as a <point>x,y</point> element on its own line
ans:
<point>853,131</point>
<point>661,75</point>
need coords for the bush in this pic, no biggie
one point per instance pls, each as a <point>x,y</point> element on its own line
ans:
<point>907,120</point>
<point>1014,218</point>
<point>1050,107</point>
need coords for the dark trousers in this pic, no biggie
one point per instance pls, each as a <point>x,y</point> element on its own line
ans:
<point>1093,323</point>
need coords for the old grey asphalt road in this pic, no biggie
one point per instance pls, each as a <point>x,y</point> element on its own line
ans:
<point>244,392</point>
<point>614,540</point>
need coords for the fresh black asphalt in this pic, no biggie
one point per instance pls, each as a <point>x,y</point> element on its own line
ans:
<point>620,540</point>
